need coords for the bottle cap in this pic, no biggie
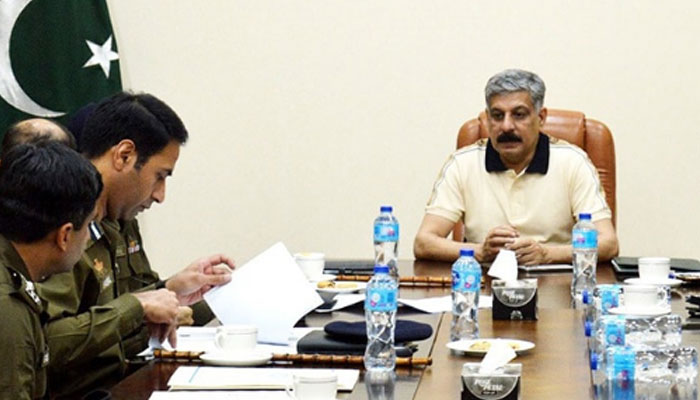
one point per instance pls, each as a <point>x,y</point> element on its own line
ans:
<point>594,361</point>
<point>386,209</point>
<point>587,328</point>
<point>381,269</point>
<point>466,252</point>
<point>584,216</point>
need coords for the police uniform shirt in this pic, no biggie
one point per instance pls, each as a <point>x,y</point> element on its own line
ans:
<point>22,342</point>
<point>90,324</point>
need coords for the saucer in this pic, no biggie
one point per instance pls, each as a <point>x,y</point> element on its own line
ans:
<point>647,311</point>
<point>329,293</point>
<point>323,277</point>
<point>244,359</point>
<point>661,282</point>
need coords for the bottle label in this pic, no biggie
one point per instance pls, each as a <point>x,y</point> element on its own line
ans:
<point>615,332</point>
<point>466,281</point>
<point>381,299</point>
<point>609,298</point>
<point>386,232</point>
<point>623,360</point>
<point>584,239</point>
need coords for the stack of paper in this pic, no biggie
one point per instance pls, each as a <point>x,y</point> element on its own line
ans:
<point>440,304</point>
<point>224,395</point>
<point>227,378</point>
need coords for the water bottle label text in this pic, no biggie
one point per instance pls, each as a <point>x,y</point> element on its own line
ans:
<point>615,333</point>
<point>585,239</point>
<point>380,299</point>
<point>466,281</point>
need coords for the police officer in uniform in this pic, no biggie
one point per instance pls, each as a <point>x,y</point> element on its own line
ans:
<point>47,198</point>
<point>105,311</point>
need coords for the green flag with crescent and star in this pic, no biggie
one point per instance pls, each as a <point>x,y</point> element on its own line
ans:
<point>55,57</point>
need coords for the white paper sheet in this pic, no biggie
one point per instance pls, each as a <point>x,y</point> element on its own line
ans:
<point>440,304</point>
<point>270,292</point>
<point>221,378</point>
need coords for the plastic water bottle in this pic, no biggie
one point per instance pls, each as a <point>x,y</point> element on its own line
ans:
<point>639,333</point>
<point>584,238</point>
<point>620,373</point>
<point>380,317</point>
<point>651,374</point>
<point>603,298</point>
<point>380,385</point>
<point>466,283</point>
<point>386,240</point>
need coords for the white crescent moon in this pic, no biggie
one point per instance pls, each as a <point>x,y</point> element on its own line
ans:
<point>10,90</point>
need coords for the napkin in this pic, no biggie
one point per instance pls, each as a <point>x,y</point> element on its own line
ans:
<point>505,266</point>
<point>499,354</point>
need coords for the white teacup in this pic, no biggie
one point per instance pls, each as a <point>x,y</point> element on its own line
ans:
<point>311,264</point>
<point>643,296</point>
<point>314,385</point>
<point>236,338</point>
<point>654,269</point>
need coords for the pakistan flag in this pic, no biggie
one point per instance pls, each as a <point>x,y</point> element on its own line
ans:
<point>55,57</point>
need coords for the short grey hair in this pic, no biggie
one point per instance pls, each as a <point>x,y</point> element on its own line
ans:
<point>516,80</point>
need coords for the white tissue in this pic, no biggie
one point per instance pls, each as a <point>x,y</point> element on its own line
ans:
<point>499,354</point>
<point>505,267</point>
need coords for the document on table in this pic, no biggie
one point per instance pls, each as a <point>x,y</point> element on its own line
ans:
<point>440,304</point>
<point>270,292</point>
<point>231,378</point>
<point>222,395</point>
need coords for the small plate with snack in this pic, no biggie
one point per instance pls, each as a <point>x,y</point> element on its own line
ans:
<point>479,347</point>
<point>329,289</point>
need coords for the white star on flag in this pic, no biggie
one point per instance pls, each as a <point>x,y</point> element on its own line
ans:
<point>101,55</point>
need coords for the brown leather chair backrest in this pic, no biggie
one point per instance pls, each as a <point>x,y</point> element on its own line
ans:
<point>590,135</point>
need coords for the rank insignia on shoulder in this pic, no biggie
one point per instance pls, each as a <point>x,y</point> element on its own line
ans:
<point>98,265</point>
<point>134,247</point>
<point>29,288</point>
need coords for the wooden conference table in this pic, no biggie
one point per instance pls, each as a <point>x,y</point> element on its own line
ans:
<point>556,368</point>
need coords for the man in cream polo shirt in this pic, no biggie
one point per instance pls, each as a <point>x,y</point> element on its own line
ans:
<point>519,189</point>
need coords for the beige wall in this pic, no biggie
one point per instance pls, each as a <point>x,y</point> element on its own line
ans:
<point>305,116</point>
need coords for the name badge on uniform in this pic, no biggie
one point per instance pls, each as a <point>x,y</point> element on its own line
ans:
<point>134,247</point>
<point>107,282</point>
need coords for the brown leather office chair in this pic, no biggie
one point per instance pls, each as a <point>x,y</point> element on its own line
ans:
<point>590,135</point>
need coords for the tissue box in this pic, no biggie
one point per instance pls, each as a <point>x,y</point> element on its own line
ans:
<point>514,300</point>
<point>503,383</point>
